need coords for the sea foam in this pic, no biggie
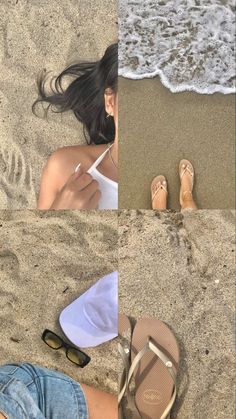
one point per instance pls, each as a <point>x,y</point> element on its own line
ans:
<point>190,44</point>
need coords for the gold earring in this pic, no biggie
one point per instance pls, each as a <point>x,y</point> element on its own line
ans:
<point>108,115</point>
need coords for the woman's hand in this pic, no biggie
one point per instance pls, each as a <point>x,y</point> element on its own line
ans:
<point>80,192</point>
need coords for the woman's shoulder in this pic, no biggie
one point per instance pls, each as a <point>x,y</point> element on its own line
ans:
<point>70,156</point>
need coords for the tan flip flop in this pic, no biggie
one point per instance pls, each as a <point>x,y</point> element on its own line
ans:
<point>155,359</point>
<point>158,179</point>
<point>124,348</point>
<point>186,166</point>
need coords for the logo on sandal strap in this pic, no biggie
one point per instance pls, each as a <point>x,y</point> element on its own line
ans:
<point>152,397</point>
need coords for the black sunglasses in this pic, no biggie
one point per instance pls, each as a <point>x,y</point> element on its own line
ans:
<point>74,355</point>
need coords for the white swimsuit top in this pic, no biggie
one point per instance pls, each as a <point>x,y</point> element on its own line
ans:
<point>108,187</point>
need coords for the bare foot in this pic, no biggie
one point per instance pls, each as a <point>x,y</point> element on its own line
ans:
<point>186,173</point>
<point>159,193</point>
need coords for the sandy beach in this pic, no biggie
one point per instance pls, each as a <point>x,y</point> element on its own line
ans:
<point>159,128</point>
<point>33,36</point>
<point>47,261</point>
<point>172,266</point>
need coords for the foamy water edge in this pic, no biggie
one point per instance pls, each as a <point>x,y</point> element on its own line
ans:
<point>197,57</point>
<point>127,74</point>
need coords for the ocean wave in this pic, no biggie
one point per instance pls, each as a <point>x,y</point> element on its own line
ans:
<point>189,44</point>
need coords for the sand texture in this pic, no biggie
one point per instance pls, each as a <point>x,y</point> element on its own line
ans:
<point>36,35</point>
<point>159,128</point>
<point>174,267</point>
<point>47,261</point>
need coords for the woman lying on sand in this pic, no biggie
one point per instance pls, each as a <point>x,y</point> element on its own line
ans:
<point>84,177</point>
<point>34,392</point>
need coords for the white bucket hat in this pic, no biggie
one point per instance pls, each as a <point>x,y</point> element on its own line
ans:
<point>93,317</point>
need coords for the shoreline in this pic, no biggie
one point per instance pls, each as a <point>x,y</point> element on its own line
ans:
<point>180,88</point>
<point>159,128</point>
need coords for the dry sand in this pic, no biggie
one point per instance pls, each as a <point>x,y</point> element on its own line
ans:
<point>36,35</point>
<point>174,267</point>
<point>159,128</point>
<point>46,261</point>
<point>171,266</point>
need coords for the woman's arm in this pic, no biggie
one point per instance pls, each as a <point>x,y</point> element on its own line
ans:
<point>62,190</point>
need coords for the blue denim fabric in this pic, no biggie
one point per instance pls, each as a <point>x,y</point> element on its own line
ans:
<point>31,392</point>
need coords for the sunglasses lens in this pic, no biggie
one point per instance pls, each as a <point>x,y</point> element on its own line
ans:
<point>52,340</point>
<point>76,356</point>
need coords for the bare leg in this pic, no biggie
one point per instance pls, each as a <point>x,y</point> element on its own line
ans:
<point>186,196</point>
<point>101,405</point>
<point>188,201</point>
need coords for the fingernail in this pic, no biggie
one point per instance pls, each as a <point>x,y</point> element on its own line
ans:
<point>77,167</point>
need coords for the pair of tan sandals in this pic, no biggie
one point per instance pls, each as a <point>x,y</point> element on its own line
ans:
<point>150,356</point>
<point>159,182</point>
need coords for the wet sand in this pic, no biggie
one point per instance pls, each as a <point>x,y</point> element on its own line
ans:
<point>173,266</point>
<point>36,35</point>
<point>159,128</point>
<point>48,260</point>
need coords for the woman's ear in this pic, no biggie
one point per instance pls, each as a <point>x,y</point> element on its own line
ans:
<point>109,97</point>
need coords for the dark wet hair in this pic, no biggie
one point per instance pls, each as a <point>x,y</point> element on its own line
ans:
<point>84,95</point>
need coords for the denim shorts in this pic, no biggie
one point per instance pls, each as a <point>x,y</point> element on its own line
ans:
<point>30,392</point>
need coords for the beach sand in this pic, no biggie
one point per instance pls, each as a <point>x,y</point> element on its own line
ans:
<point>159,128</point>
<point>33,36</point>
<point>47,260</point>
<point>173,266</point>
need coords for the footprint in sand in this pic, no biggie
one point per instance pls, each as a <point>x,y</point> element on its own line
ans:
<point>9,263</point>
<point>8,303</point>
<point>16,185</point>
<point>9,268</point>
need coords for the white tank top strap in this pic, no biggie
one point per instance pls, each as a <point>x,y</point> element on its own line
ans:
<point>100,158</point>
<point>108,187</point>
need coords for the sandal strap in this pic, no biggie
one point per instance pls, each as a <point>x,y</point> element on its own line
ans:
<point>186,169</point>
<point>158,190</point>
<point>124,352</point>
<point>191,172</point>
<point>151,346</point>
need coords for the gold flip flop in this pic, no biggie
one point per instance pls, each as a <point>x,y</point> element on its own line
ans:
<point>158,179</point>
<point>186,166</point>
<point>124,348</point>
<point>155,359</point>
